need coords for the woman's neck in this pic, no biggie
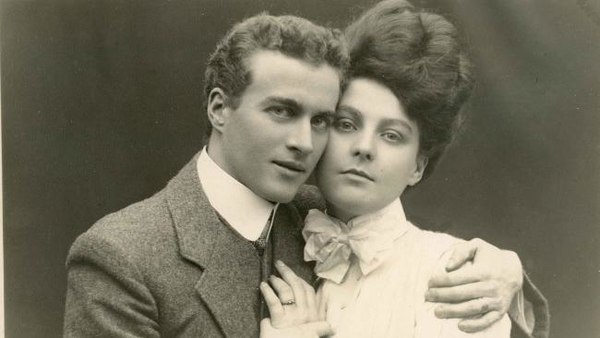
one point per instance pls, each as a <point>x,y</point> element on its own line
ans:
<point>347,214</point>
<point>343,215</point>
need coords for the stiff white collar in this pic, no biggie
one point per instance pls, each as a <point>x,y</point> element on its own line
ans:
<point>246,212</point>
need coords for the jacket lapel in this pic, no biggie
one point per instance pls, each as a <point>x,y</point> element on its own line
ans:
<point>225,286</point>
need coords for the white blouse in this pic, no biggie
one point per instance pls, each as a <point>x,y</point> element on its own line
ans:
<point>389,301</point>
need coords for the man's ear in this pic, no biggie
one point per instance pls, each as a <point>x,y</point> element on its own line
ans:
<point>216,108</point>
<point>417,175</point>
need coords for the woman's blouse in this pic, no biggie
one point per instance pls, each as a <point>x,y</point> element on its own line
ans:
<point>375,271</point>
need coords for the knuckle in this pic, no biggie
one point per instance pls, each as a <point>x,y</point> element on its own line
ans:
<point>496,303</point>
<point>491,288</point>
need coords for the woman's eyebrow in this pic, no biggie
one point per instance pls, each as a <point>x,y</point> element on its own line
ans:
<point>350,110</point>
<point>401,122</point>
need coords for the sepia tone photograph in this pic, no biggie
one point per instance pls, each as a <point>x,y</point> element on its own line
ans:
<point>312,168</point>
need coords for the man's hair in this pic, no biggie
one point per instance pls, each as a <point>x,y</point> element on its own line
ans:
<point>417,56</point>
<point>292,36</point>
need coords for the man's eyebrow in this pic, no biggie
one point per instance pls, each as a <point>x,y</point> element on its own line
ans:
<point>285,101</point>
<point>295,105</point>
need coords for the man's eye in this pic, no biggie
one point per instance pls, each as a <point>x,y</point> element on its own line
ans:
<point>280,111</point>
<point>344,125</point>
<point>320,121</point>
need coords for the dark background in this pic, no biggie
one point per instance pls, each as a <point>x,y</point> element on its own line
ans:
<point>101,105</point>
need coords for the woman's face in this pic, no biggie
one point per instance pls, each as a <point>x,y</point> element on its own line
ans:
<point>372,154</point>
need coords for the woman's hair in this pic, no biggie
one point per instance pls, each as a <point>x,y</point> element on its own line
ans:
<point>416,55</point>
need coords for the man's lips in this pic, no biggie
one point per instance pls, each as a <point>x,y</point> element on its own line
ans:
<point>358,173</point>
<point>292,165</point>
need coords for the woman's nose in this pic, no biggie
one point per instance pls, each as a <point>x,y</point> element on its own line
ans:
<point>364,147</point>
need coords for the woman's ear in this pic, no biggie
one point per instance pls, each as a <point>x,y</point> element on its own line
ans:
<point>417,175</point>
<point>216,108</point>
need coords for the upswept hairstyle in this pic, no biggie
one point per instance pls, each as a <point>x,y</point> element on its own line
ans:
<point>292,36</point>
<point>416,55</point>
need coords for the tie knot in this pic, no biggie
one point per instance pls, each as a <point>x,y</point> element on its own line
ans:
<point>342,238</point>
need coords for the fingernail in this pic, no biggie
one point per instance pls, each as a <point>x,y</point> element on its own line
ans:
<point>279,263</point>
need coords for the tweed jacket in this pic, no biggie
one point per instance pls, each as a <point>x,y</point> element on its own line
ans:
<point>168,267</point>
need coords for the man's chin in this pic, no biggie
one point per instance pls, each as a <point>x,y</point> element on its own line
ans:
<point>281,194</point>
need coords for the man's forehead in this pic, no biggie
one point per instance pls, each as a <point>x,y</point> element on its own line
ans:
<point>271,63</point>
<point>275,74</point>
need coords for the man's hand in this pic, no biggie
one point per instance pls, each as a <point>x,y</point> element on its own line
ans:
<point>480,293</point>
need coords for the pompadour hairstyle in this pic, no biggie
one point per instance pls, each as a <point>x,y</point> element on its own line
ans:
<point>292,36</point>
<point>417,55</point>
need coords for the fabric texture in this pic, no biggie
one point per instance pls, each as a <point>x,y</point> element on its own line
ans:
<point>330,242</point>
<point>168,267</point>
<point>389,301</point>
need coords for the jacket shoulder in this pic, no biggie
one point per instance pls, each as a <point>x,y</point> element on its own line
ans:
<point>135,231</point>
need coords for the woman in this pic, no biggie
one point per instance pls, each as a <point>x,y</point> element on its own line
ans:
<point>407,81</point>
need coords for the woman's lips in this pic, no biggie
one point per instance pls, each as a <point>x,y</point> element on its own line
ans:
<point>360,173</point>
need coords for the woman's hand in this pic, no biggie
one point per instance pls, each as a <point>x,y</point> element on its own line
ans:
<point>480,293</point>
<point>293,302</point>
<point>308,330</point>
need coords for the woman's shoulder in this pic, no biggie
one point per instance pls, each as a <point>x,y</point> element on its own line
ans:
<point>431,245</point>
<point>438,239</point>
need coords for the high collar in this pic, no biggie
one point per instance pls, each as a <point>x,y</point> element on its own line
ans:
<point>245,211</point>
<point>371,237</point>
<point>393,213</point>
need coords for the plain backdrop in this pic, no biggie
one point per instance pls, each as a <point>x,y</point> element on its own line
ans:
<point>101,106</point>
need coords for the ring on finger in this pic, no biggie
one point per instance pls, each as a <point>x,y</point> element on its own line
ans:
<point>288,302</point>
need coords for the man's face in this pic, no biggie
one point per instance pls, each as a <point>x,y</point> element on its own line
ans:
<point>272,141</point>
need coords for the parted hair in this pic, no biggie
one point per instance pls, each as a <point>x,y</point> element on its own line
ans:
<point>417,55</point>
<point>292,36</point>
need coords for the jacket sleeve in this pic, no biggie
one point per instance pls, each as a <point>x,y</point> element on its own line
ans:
<point>106,294</point>
<point>529,312</point>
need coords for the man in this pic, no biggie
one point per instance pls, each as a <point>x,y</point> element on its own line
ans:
<point>188,261</point>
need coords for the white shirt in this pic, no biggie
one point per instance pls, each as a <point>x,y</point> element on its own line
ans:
<point>245,211</point>
<point>390,300</point>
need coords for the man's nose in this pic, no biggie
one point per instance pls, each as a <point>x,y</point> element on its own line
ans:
<point>300,137</point>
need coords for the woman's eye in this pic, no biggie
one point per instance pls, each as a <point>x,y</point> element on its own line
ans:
<point>344,125</point>
<point>392,136</point>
